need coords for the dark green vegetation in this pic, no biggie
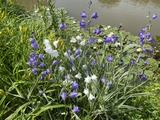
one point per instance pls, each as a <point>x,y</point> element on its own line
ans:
<point>24,95</point>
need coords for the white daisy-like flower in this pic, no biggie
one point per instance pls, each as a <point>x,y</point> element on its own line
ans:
<point>78,76</point>
<point>73,40</point>
<point>55,43</point>
<point>79,37</point>
<point>87,79</point>
<point>91,97</point>
<point>83,42</point>
<point>61,68</point>
<point>86,91</point>
<point>94,77</point>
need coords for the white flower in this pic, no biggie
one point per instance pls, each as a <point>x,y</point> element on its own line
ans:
<point>110,34</point>
<point>86,91</point>
<point>79,37</point>
<point>61,68</point>
<point>73,40</point>
<point>91,97</point>
<point>72,57</point>
<point>74,22</point>
<point>100,40</point>
<point>139,50</point>
<point>55,43</point>
<point>117,44</point>
<point>94,77</point>
<point>55,53</point>
<point>84,66</point>
<point>46,41</point>
<point>66,54</point>
<point>73,68</point>
<point>87,79</point>
<point>106,28</point>
<point>78,76</point>
<point>83,42</point>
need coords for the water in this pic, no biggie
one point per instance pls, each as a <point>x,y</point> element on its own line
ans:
<point>131,13</point>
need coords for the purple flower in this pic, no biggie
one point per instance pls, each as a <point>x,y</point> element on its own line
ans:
<point>51,80</point>
<point>83,14</point>
<point>62,26</point>
<point>34,70</point>
<point>33,32</point>
<point>55,62</point>
<point>141,42</point>
<point>108,83</point>
<point>151,50</point>
<point>94,15</point>
<point>69,51</point>
<point>44,73</point>
<point>32,55</point>
<point>63,95</point>
<point>76,109</point>
<point>109,59</point>
<point>131,60</point>
<point>150,39</point>
<point>73,94</point>
<point>41,56</point>
<point>77,52</point>
<point>93,62</point>
<point>143,77</point>
<point>103,79</point>
<point>41,64</point>
<point>139,73</point>
<point>34,63</point>
<point>114,38</point>
<point>91,40</point>
<point>48,70</point>
<point>28,63</point>
<point>40,77</point>
<point>40,92</point>
<point>146,62</point>
<point>32,40</point>
<point>107,39</point>
<point>154,16</point>
<point>78,56</point>
<point>74,85</point>
<point>82,24</point>
<point>89,21</point>
<point>143,49</point>
<point>34,45</point>
<point>98,31</point>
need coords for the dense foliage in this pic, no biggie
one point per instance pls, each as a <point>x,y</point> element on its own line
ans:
<point>55,67</point>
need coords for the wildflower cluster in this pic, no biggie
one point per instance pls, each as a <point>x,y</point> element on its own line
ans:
<point>81,74</point>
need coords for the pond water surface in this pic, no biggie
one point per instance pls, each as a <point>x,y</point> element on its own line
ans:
<point>131,13</point>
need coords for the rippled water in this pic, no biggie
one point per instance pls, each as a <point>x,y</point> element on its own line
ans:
<point>131,13</point>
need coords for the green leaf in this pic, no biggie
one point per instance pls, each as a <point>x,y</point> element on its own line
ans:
<point>13,116</point>
<point>130,46</point>
<point>152,62</point>
<point>42,109</point>
<point>148,73</point>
